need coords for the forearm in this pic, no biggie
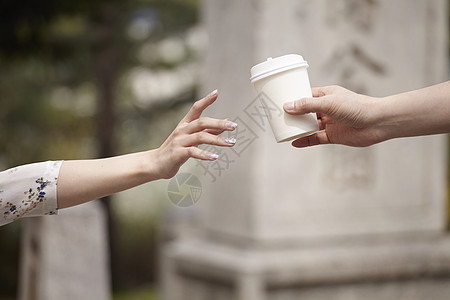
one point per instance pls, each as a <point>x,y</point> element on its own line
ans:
<point>81,181</point>
<point>420,112</point>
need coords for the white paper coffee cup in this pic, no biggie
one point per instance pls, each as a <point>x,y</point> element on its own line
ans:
<point>280,80</point>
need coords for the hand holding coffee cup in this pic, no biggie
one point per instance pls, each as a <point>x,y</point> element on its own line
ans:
<point>279,80</point>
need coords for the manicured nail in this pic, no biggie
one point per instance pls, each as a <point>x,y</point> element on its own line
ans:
<point>213,156</point>
<point>213,93</point>
<point>231,125</point>
<point>289,106</point>
<point>230,141</point>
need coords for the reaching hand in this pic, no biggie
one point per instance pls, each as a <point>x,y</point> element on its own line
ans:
<point>192,131</point>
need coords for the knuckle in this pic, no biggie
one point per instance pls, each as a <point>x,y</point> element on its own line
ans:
<point>202,122</point>
<point>300,104</point>
<point>196,106</point>
<point>190,151</point>
<point>177,131</point>
<point>175,142</point>
<point>203,136</point>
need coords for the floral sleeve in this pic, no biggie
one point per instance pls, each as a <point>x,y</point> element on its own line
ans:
<point>29,190</point>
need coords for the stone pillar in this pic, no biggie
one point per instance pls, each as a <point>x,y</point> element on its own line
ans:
<point>283,223</point>
<point>66,256</point>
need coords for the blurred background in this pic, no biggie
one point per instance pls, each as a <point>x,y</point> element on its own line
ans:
<point>87,79</point>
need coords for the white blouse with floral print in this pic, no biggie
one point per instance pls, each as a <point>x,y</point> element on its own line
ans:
<point>29,190</point>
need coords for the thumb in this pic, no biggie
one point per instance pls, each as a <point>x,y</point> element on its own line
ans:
<point>304,106</point>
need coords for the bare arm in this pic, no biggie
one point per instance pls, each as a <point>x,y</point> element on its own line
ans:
<point>81,181</point>
<point>420,112</point>
<point>357,120</point>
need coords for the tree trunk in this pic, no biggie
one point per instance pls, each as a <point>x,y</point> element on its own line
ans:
<point>106,56</point>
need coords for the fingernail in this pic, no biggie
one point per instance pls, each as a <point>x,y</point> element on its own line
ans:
<point>213,156</point>
<point>213,93</point>
<point>289,106</point>
<point>231,125</point>
<point>230,141</point>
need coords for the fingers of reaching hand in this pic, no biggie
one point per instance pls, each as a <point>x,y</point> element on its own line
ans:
<point>214,131</point>
<point>204,137</point>
<point>201,154</point>
<point>199,106</point>
<point>210,125</point>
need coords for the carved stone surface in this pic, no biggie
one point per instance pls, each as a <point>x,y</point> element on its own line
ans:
<point>374,46</point>
<point>284,223</point>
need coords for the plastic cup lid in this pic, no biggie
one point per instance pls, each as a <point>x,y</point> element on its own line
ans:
<point>276,65</point>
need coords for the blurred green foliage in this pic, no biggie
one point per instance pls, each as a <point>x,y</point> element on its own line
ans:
<point>31,128</point>
<point>49,100</point>
<point>30,27</point>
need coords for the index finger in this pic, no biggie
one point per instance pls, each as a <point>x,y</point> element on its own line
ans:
<point>199,106</point>
<point>324,90</point>
<point>317,92</point>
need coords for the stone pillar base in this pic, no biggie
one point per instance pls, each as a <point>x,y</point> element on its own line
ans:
<point>397,268</point>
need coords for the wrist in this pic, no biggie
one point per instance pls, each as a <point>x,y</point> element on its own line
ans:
<point>160,164</point>
<point>149,167</point>
<point>388,121</point>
